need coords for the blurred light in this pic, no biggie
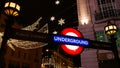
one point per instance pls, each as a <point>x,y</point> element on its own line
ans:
<point>55,32</point>
<point>57,2</point>
<point>47,50</point>
<point>110,28</point>
<point>11,46</point>
<point>11,9</point>
<point>84,21</point>
<point>52,18</point>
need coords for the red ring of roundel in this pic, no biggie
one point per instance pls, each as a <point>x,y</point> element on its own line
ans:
<point>67,50</point>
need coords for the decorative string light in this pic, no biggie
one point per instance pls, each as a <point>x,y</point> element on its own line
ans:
<point>33,26</point>
<point>25,44</point>
<point>29,44</point>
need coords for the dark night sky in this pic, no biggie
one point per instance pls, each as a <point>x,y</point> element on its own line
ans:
<point>31,10</point>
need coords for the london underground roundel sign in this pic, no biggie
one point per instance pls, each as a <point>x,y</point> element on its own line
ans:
<point>72,49</point>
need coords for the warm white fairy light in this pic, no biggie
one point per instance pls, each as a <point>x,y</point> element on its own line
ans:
<point>55,32</point>
<point>52,18</point>
<point>33,26</point>
<point>26,44</point>
<point>57,2</point>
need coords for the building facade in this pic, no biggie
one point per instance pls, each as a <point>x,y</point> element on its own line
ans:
<point>21,58</point>
<point>56,60</point>
<point>93,16</point>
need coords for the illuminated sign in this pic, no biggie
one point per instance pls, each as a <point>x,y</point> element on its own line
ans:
<point>70,40</point>
<point>72,49</point>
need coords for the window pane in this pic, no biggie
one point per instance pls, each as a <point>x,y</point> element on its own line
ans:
<point>100,36</point>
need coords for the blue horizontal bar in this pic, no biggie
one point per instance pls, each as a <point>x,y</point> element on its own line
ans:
<point>70,40</point>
